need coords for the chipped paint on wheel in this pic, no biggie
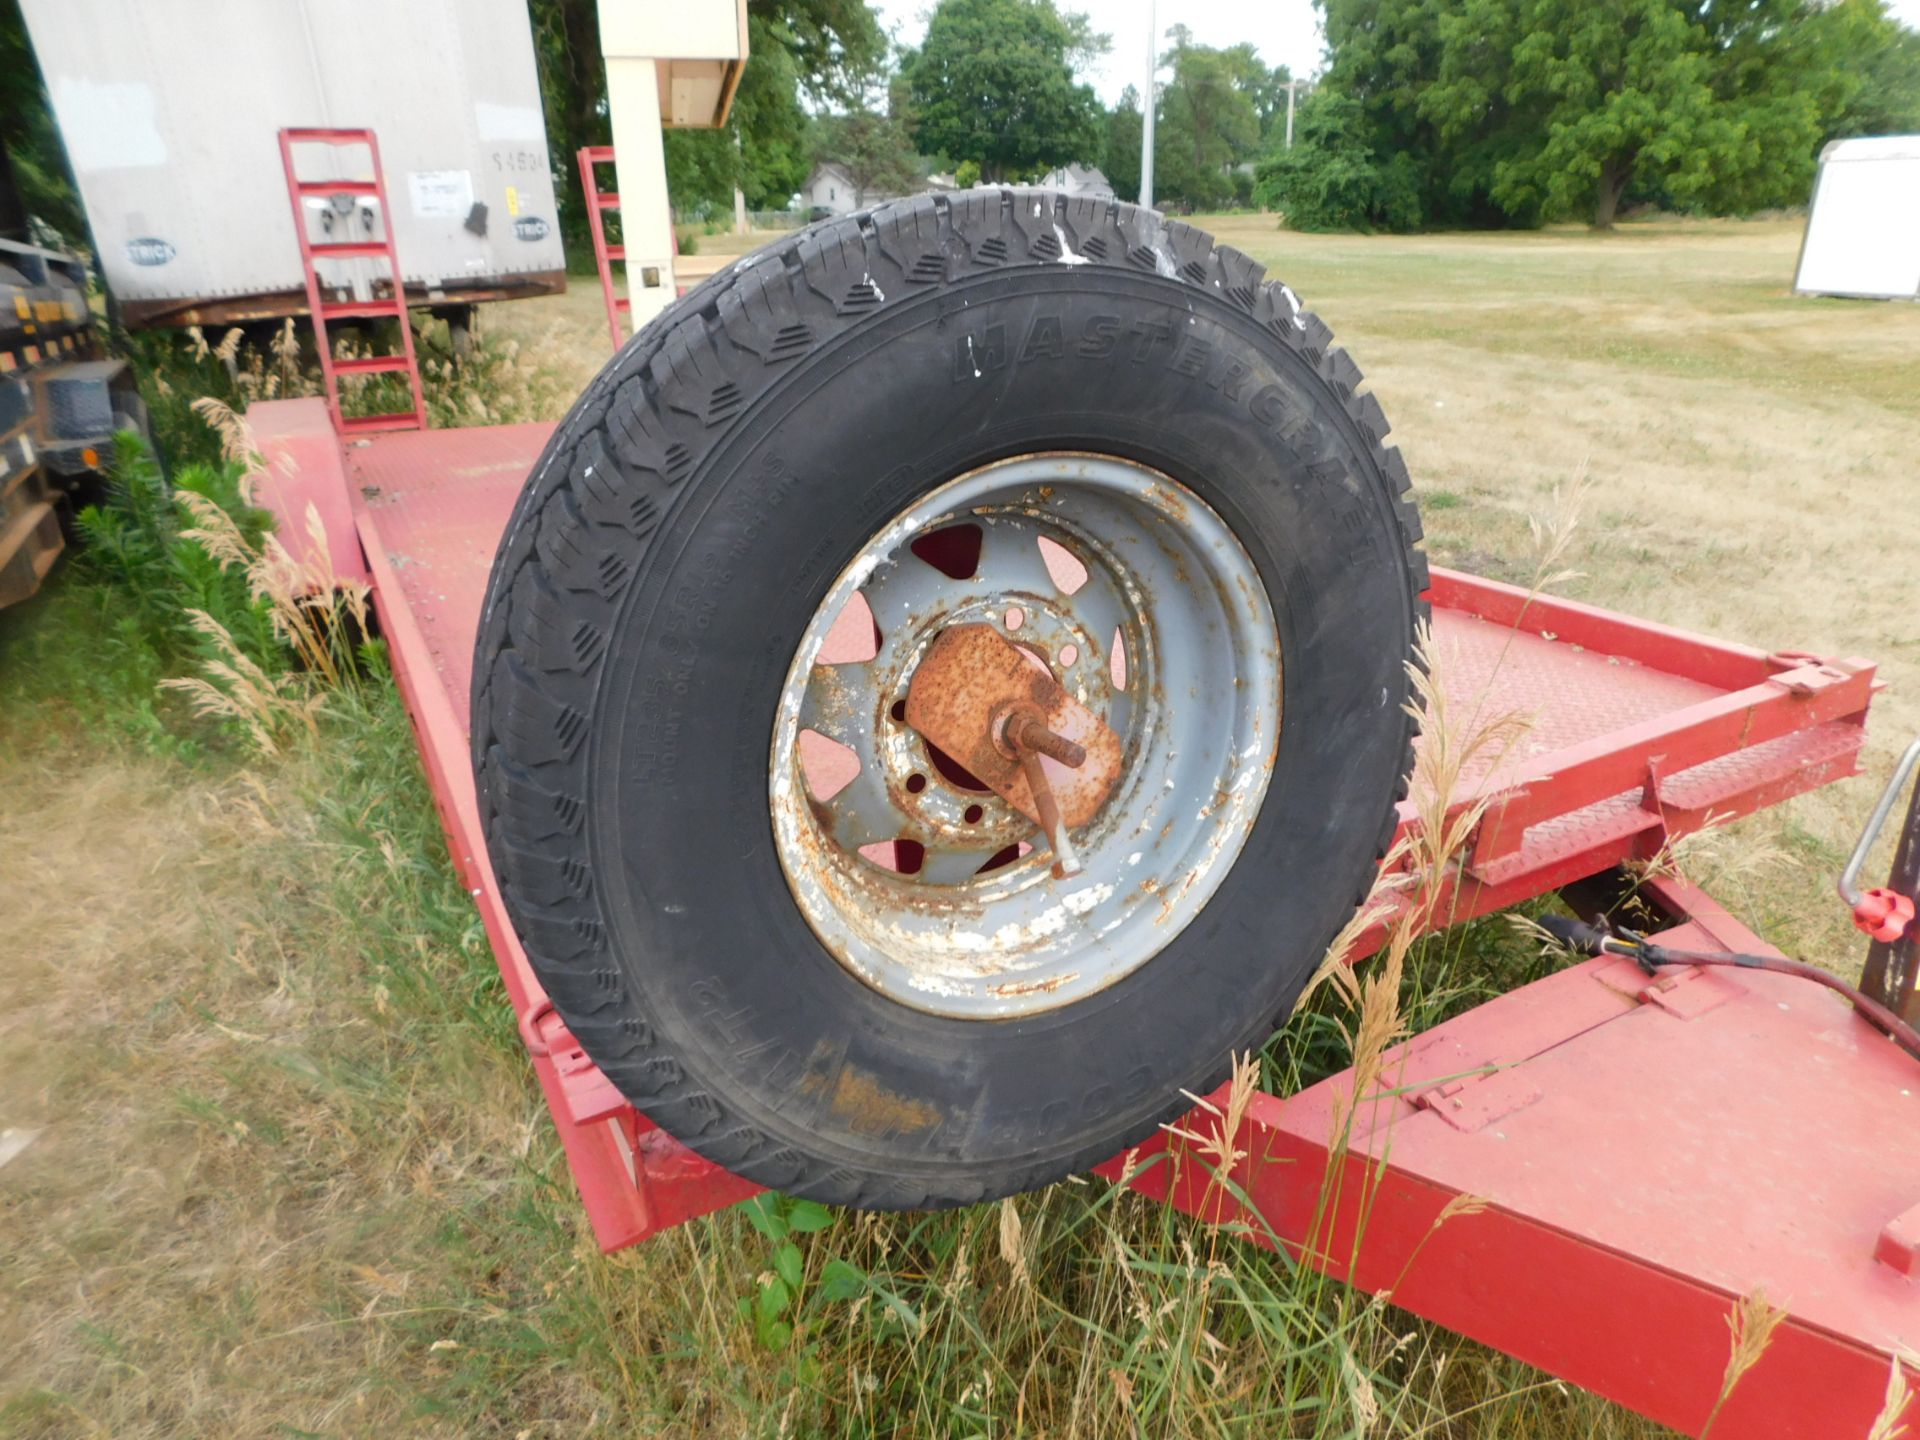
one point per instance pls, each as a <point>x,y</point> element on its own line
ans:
<point>1197,723</point>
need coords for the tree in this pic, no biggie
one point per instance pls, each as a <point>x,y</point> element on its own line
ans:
<point>874,151</point>
<point>1331,179</point>
<point>573,92</point>
<point>1877,60</point>
<point>1264,86</point>
<point>1383,57</point>
<point>993,82</point>
<point>837,46</point>
<point>1714,108</point>
<point>1207,123</point>
<point>768,117</point>
<point>1608,88</point>
<point>765,148</point>
<point>702,169</point>
<point>1519,111</point>
<point>824,50</point>
<point>1120,145</point>
<point>33,145</point>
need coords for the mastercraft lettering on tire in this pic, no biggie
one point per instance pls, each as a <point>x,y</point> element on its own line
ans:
<point>943,688</point>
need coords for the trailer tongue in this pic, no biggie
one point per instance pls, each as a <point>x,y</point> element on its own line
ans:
<point>1618,1158</point>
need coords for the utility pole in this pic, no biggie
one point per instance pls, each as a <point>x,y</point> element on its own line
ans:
<point>1146,101</point>
<point>740,226</point>
<point>1292,85</point>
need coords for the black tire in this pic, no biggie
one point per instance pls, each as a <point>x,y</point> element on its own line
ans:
<point>762,430</point>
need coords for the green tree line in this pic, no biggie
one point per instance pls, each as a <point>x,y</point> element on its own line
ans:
<point>993,92</point>
<point>1429,113</point>
<point>1518,112</point>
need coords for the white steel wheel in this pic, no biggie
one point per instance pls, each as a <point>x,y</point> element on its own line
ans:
<point>1126,588</point>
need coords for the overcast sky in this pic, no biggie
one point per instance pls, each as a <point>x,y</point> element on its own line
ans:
<point>1284,31</point>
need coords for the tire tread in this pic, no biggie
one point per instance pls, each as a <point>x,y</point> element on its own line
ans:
<point>607,479</point>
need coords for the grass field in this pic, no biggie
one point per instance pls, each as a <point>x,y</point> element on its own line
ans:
<point>288,1173</point>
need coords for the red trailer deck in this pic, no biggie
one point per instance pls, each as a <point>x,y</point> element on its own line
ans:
<point>1625,1158</point>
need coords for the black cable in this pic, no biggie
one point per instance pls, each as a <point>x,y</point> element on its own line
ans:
<point>1585,939</point>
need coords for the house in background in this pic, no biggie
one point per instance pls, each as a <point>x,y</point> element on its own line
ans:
<point>831,188</point>
<point>1081,180</point>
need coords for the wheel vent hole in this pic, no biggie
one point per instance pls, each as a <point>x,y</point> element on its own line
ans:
<point>826,765</point>
<point>973,814</point>
<point>854,637</point>
<point>898,710</point>
<point>953,550</point>
<point>1117,660</point>
<point>916,783</point>
<point>903,857</point>
<point>952,771</point>
<point>1064,568</point>
<point>1005,857</point>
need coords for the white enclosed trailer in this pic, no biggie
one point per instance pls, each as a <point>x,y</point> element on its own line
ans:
<point>1863,228</point>
<point>170,111</point>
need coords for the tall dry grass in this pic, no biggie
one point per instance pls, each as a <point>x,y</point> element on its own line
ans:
<point>1890,1423</point>
<point>316,615</point>
<point>508,377</point>
<point>1750,1326</point>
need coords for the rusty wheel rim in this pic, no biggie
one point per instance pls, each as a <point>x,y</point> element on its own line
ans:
<point>940,895</point>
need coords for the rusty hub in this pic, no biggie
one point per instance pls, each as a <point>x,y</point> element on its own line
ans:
<point>988,703</point>
<point>1025,736</point>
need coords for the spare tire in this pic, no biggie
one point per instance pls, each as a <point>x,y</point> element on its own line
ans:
<point>1127,454</point>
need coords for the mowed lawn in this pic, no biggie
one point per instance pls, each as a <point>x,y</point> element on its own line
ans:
<point>1741,461</point>
<point>288,1172</point>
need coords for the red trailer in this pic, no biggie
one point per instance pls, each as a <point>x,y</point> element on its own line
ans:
<point>1589,1173</point>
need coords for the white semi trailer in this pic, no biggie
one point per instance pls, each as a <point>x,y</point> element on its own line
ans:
<point>170,110</point>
